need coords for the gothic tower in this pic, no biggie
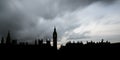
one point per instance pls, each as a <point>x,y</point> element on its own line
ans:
<point>2,40</point>
<point>55,38</point>
<point>8,38</point>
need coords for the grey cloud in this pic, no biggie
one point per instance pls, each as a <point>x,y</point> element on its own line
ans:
<point>75,36</point>
<point>74,4</point>
<point>7,19</point>
<point>11,18</point>
<point>21,16</point>
<point>50,9</point>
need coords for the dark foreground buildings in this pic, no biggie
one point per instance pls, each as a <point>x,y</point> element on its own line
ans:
<point>9,45</point>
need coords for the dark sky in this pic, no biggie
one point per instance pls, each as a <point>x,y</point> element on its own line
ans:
<point>78,20</point>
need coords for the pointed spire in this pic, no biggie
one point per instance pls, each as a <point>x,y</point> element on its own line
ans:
<point>2,40</point>
<point>54,29</point>
<point>8,38</point>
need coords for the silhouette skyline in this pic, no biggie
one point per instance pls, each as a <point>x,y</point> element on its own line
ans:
<point>44,28</point>
<point>45,48</point>
<point>39,43</point>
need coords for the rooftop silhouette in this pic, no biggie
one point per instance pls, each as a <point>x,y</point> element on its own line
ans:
<point>70,47</point>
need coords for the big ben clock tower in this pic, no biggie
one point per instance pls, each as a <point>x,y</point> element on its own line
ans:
<point>55,38</point>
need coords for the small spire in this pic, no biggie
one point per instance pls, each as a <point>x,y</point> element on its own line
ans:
<point>54,28</point>
<point>8,38</point>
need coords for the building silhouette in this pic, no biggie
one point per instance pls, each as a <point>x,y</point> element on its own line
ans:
<point>55,38</point>
<point>2,40</point>
<point>8,38</point>
<point>42,46</point>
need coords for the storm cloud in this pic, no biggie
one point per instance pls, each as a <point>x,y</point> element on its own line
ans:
<point>74,19</point>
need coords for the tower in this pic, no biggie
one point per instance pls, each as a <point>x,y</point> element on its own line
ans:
<point>55,38</point>
<point>2,40</point>
<point>8,38</point>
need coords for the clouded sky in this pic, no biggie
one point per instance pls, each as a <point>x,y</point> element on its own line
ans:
<point>78,20</point>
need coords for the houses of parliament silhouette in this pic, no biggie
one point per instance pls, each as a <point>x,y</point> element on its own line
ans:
<point>9,43</point>
<point>47,47</point>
